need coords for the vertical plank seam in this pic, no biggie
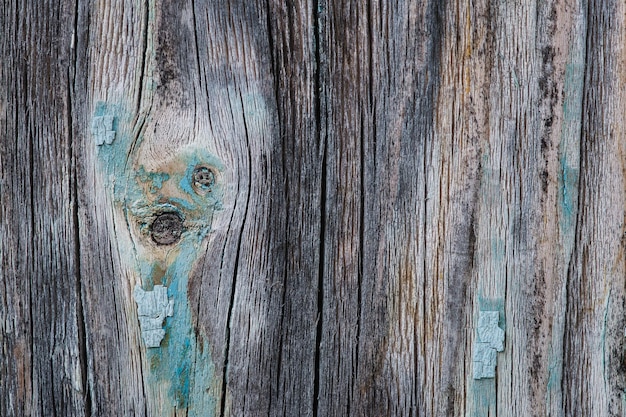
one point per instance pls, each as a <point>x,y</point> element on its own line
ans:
<point>144,47</point>
<point>80,313</point>
<point>274,65</point>
<point>574,254</point>
<point>323,198</point>
<point>235,272</point>
<point>361,274</point>
<point>31,221</point>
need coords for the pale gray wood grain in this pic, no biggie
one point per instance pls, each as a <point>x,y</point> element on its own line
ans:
<point>389,169</point>
<point>42,367</point>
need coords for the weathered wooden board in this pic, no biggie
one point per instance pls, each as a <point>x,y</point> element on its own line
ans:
<point>331,194</point>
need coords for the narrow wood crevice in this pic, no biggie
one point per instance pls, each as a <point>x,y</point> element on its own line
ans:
<point>321,141</point>
<point>80,315</point>
<point>74,155</point>
<point>274,66</point>
<point>229,321</point>
<point>364,177</point>
<point>361,270</point>
<point>144,59</point>
<point>235,272</point>
<point>573,256</point>
<point>31,219</point>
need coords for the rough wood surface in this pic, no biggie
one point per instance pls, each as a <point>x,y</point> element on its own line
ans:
<point>381,172</point>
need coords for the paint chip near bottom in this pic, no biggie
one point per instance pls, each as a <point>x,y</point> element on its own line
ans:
<point>489,340</point>
<point>152,308</point>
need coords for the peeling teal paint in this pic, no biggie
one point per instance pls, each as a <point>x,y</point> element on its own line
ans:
<point>154,179</point>
<point>483,391</point>
<point>178,362</point>
<point>182,364</point>
<point>102,129</point>
<point>490,304</point>
<point>488,340</point>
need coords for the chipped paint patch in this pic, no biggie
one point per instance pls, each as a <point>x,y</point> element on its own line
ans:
<point>152,308</point>
<point>489,340</point>
<point>483,391</point>
<point>102,129</point>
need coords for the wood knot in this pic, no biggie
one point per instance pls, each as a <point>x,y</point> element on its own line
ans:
<point>166,229</point>
<point>203,179</point>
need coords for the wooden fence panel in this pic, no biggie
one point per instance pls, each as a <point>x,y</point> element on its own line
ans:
<point>312,208</point>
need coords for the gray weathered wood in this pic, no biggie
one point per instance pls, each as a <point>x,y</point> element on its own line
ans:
<point>384,171</point>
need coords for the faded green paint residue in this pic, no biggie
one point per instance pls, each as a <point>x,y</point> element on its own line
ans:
<point>489,304</point>
<point>568,183</point>
<point>483,398</point>
<point>567,201</point>
<point>181,373</point>
<point>569,148</point>
<point>497,249</point>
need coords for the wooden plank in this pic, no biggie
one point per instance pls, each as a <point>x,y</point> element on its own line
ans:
<point>198,80</point>
<point>382,71</point>
<point>42,369</point>
<point>110,42</point>
<point>595,323</point>
<point>319,200</point>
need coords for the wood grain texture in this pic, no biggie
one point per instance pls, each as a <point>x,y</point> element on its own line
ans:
<point>42,366</point>
<point>385,171</point>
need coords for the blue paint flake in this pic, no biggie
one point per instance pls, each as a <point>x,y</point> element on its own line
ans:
<point>102,129</point>
<point>489,340</point>
<point>152,308</point>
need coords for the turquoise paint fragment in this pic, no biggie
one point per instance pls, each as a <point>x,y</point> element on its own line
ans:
<point>154,179</point>
<point>488,341</point>
<point>152,308</point>
<point>102,129</point>
<point>483,391</point>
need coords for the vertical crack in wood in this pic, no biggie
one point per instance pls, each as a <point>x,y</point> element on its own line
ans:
<point>321,141</point>
<point>276,82</point>
<point>31,219</point>
<point>364,177</point>
<point>574,255</point>
<point>144,60</point>
<point>80,315</point>
<point>235,272</point>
